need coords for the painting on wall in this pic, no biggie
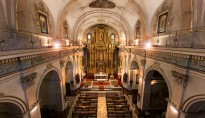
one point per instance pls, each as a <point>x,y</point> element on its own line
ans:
<point>43,23</point>
<point>162,21</point>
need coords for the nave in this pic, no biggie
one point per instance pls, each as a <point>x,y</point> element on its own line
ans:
<point>102,105</point>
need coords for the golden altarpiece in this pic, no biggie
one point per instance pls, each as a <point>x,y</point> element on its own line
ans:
<point>101,51</point>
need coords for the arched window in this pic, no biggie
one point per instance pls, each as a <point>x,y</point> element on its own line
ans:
<point>112,36</point>
<point>89,36</point>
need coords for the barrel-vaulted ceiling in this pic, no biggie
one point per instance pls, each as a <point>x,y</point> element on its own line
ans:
<point>122,16</point>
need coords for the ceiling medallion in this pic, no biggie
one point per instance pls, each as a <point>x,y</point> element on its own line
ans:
<point>102,4</point>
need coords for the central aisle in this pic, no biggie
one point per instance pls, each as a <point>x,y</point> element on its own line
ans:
<point>102,108</point>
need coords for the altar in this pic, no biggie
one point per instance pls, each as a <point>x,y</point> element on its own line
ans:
<point>100,76</point>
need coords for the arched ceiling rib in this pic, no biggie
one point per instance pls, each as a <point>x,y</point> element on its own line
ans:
<point>72,10</point>
<point>106,17</point>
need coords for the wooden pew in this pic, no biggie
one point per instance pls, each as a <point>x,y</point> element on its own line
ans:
<point>118,107</point>
<point>84,114</point>
<point>120,114</point>
<point>117,102</point>
<point>115,94</point>
<point>86,108</point>
<point>112,96</point>
<point>87,97</point>
<point>93,100</point>
<point>88,94</point>
<point>86,103</point>
<point>115,98</point>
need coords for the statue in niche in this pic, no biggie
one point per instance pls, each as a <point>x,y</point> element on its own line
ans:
<point>101,56</point>
<point>101,37</point>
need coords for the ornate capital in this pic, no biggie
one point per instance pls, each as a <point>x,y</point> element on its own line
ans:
<point>143,62</point>
<point>62,62</point>
<point>156,64</point>
<point>180,78</point>
<point>27,81</point>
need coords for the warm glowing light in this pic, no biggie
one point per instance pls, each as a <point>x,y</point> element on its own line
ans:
<point>148,45</point>
<point>56,45</point>
<point>173,109</point>
<point>34,109</point>
<point>67,42</point>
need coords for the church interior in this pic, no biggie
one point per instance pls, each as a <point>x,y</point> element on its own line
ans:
<point>102,59</point>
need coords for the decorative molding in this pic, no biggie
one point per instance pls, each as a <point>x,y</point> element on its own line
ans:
<point>11,65</point>
<point>49,66</point>
<point>62,62</point>
<point>180,78</point>
<point>187,12</point>
<point>143,62</point>
<point>164,8</point>
<point>8,60</point>
<point>41,9</point>
<point>102,4</point>
<point>181,60</point>
<point>156,65</point>
<point>28,80</point>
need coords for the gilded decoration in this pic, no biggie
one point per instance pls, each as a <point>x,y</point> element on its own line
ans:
<point>162,22</point>
<point>41,20</point>
<point>101,51</point>
<point>164,19</point>
<point>102,4</point>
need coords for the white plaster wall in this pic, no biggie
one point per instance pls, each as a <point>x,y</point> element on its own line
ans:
<point>11,85</point>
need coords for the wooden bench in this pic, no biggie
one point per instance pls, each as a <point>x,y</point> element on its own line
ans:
<point>86,108</point>
<point>88,100</point>
<point>119,114</point>
<point>87,97</point>
<point>115,94</point>
<point>86,103</point>
<point>115,98</point>
<point>118,107</point>
<point>117,102</point>
<point>84,114</point>
<point>88,94</point>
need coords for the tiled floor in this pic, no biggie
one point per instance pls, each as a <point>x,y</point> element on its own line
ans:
<point>102,108</point>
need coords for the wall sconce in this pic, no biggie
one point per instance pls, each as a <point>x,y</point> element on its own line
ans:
<point>148,45</point>
<point>56,45</point>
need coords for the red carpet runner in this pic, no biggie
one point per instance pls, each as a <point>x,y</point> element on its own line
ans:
<point>101,87</point>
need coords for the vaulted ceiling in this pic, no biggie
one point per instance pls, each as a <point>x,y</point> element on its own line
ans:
<point>122,17</point>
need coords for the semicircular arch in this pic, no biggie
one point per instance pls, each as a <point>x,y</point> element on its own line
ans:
<point>157,68</point>
<point>43,76</point>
